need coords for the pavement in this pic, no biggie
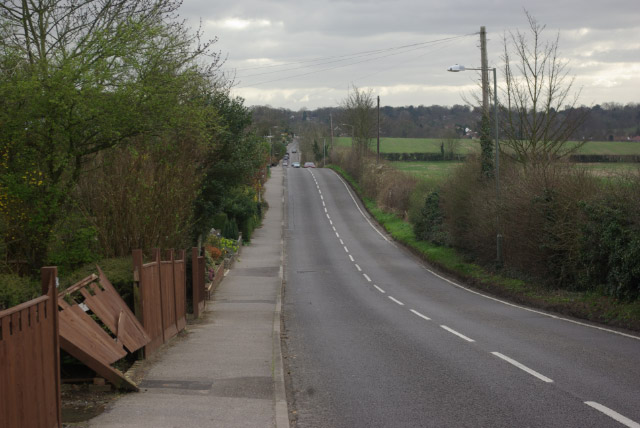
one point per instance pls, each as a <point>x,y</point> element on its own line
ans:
<point>226,369</point>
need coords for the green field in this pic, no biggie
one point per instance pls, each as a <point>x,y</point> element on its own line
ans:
<point>431,171</point>
<point>432,145</point>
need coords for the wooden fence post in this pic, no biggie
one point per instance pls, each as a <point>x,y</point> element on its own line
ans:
<point>49,281</point>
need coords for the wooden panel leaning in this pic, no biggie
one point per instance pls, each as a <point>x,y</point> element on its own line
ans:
<point>30,360</point>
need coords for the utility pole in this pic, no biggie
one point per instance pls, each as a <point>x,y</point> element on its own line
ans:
<point>324,152</point>
<point>331,125</point>
<point>378,151</point>
<point>484,65</point>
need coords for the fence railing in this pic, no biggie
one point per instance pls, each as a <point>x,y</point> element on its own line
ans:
<point>160,294</point>
<point>30,356</point>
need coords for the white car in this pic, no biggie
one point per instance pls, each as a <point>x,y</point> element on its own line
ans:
<point>296,164</point>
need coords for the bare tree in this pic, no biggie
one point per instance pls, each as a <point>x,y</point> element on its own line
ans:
<point>359,112</point>
<point>539,113</point>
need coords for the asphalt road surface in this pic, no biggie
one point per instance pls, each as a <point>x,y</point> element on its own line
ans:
<point>374,339</point>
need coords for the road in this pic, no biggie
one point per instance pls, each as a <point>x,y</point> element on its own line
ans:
<point>374,339</point>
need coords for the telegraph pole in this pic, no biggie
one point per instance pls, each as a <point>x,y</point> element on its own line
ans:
<point>484,65</point>
<point>331,125</point>
<point>378,151</point>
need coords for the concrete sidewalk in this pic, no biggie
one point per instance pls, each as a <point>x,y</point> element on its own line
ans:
<point>227,370</point>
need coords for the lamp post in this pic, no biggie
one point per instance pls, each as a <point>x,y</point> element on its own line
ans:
<point>457,68</point>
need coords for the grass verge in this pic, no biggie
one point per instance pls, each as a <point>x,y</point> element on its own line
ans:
<point>587,306</point>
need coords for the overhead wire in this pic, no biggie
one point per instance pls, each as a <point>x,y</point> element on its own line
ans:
<point>403,49</point>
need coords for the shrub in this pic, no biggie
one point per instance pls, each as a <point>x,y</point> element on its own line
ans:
<point>230,229</point>
<point>609,255</point>
<point>15,289</point>
<point>214,252</point>
<point>73,244</point>
<point>429,225</point>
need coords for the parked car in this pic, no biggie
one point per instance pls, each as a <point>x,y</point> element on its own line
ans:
<point>294,151</point>
<point>285,163</point>
<point>309,165</point>
<point>296,164</point>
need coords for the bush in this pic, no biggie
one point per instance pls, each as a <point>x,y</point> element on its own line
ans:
<point>230,229</point>
<point>73,244</point>
<point>15,289</point>
<point>610,242</point>
<point>429,225</point>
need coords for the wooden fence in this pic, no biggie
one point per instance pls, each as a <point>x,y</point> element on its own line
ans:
<point>160,296</point>
<point>30,356</point>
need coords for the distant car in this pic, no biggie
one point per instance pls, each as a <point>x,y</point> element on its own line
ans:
<point>309,165</point>
<point>294,151</point>
<point>285,163</point>
<point>296,164</point>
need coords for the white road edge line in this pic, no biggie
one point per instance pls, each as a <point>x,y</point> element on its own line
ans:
<point>523,367</point>
<point>396,300</point>
<point>379,289</point>
<point>529,309</point>
<point>613,414</point>
<point>460,335</point>
<point>358,267</point>
<point>420,315</point>
<point>358,206</point>
<point>366,277</point>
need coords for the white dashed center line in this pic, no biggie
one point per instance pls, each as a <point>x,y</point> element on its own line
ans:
<point>351,257</point>
<point>396,300</point>
<point>523,367</point>
<point>420,315</point>
<point>358,267</point>
<point>613,414</point>
<point>379,289</point>
<point>346,249</point>
<point>462,336</point>
<point>366,277</point>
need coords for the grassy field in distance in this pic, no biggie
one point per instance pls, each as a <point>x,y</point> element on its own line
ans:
<point>432,145</point>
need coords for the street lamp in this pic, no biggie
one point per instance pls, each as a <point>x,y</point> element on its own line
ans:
<point>456,68</point>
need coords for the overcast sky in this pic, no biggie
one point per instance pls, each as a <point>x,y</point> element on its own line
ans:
<point>306,53</point>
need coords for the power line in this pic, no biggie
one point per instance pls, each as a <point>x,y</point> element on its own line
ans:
<point>355,54</point>
<point>354,62</point>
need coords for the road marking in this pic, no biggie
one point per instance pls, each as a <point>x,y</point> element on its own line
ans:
<point>450,330</point>
<point>325,209</point>
<point>330,222</point>
<point>529,309</point>
<point>321,197</point>
<point>358,206</point>
<point>337,234</point>
<point>334,228</point>
<point>613,414</point>
<point>346,250</point>
<point>351,257</point>
<point>358,267</point>
<point>420,315</point>
<point>323,204</point>
<point>523,367</point>
<point>379,289</point>
<point>396,300</point>
<point>366,277</point>
<point>328,217</point>
<point>341,242</point>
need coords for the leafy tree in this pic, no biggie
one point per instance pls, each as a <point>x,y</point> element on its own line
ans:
<point>77,78</point>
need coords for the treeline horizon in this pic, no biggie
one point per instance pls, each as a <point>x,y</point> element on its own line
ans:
<point>606,122</point>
